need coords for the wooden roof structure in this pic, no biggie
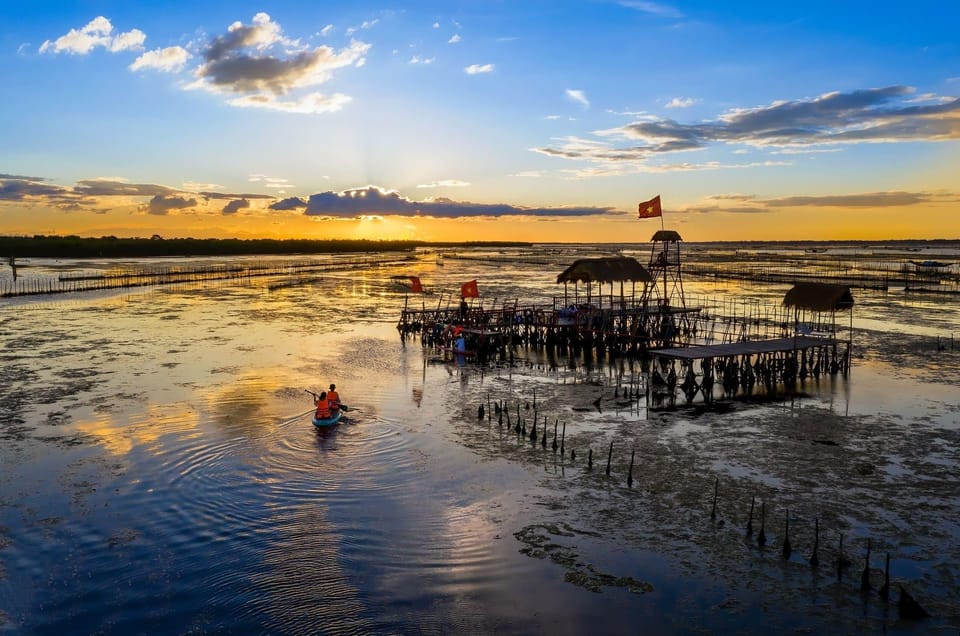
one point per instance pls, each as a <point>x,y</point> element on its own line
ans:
<point>819,297</point>
<point>668,236</point>
<point>605,270</point>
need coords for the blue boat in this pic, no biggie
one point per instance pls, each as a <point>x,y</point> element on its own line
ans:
<point>333,420</point>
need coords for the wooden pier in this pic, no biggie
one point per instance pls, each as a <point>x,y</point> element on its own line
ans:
<point>688,351</point>
<point>740,366</point>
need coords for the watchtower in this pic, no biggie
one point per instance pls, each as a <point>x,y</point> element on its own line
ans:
<point>664,268</point>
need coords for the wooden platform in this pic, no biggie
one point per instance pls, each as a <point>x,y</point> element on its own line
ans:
<point>749,347</point>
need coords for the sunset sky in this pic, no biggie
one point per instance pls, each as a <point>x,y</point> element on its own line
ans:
<point>518,120</point>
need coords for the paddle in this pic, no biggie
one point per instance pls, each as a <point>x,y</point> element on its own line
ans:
<point>295,417</point>
<point>343,407</point>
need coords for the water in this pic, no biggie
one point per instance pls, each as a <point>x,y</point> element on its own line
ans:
<point>160,473</point>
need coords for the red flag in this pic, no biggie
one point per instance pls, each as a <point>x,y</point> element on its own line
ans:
<point>650,209</point>
<point>469,290</point>
<point>415,285</point>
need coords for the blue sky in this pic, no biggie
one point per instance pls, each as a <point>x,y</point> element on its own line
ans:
<point>480,120</point>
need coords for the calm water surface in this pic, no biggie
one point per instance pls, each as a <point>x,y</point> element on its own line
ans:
<point>160,474</point>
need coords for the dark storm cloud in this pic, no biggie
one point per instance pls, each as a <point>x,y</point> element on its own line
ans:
<point>374,201</point>
<point>868,115</point>
<point>161,205</point>
<point>292,203</point>
<point>234,206</point>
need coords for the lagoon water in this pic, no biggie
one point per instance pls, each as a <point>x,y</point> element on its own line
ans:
<point>159,472</point>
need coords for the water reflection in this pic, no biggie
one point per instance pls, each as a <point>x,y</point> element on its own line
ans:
<point>159,465</point>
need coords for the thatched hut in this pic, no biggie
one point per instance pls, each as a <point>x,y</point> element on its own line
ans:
<point>816,305</point>
<point>610,270</point>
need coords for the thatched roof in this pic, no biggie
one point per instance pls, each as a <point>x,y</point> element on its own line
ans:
<point>605,270</point>
<point>668,236</point>
<point>819,297</point>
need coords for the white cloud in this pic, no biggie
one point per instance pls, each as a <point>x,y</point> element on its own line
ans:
<point>577,96</point>
<point>192,186</point>
<point>447,183</point>
<point>312,103</point>
<point>325,31</point>
<point>169,60</point>
<point>416,59</point>
<point>97,33</point>
<point>655,8</point>
<point>366,24</point>
<point>474,69</point>
<point>454,38</point>
<point>830,121</point>
<point>261,67</point>
<point>130,41</point>
<point>529,174</point>
<point>681,102</point>
<point>436,25</point>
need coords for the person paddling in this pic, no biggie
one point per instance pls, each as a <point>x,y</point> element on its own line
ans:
<point>323,407</point>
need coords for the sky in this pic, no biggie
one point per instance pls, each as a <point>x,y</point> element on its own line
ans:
<point>519,120</point>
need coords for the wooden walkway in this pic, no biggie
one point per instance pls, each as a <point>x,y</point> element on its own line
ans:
<point>749,347</point>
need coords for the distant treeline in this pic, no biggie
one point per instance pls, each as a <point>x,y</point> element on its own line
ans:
<point>111,246</point>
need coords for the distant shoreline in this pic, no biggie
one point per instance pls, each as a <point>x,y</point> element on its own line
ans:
<point>42,246</point>
<point>112,247</point>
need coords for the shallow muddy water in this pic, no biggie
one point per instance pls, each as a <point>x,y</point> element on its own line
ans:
<point>160,473</point>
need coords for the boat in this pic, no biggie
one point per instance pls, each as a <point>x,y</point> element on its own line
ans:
<point>333,420</point>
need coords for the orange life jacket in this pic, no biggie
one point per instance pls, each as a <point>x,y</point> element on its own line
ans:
<point>323,409</point>
<point>334,399</point>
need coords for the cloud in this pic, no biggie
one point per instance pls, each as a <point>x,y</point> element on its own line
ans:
<point>366,24</point>
<point>161,205</point>
<point>530,174</point>
<point>97,33</point>
<point>448,183</point>
<point>416,59</point>
<point>223,195</point>
<point>866,200</point>
<point>293,203</point>
<point>325,31</point>
<point>577,96</point>
<point>193,186</point>
<point>681,102</point>
<point>261,66</point>
<point>310,104</point>
<point>750,204</point>
<point>101,194</point>
<point>655,8</point>
<point>475,69</point>
<point>270,182</point>
<point>169,60</point>
<point>377,201</point>
<point>110,187</point>
<point>454,38</point>
<point>19,188</point>
<point>234,206</point>
<point>878,115</point>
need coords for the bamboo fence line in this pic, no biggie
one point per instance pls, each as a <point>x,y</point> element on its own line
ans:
<point>121,279</point>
